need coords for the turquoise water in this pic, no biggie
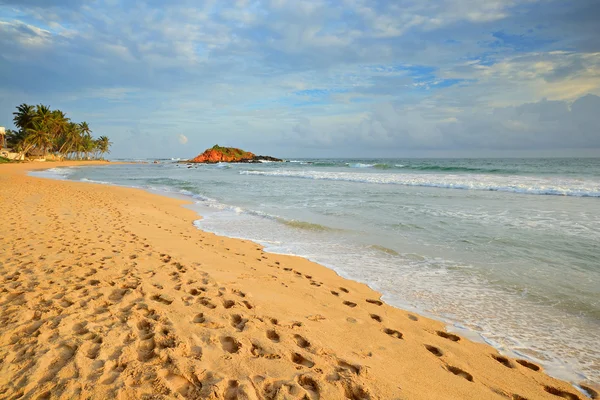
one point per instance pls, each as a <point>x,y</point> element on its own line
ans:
<point>507,250</point>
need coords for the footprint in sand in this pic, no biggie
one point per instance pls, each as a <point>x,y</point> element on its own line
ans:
<point>529,365</point>
<point>238,322</point>
<point>206,303</point>
<point>301,342</point>
<point>237,391</point>
<point>145,330</point>
<point>434,350</point>
<point>162,298</point>
<point>179,384</point>
<point>297,358</point>
<point>197,291</point>
<point>200,319</point>
<point>376,302</point>
<point>228,303</point>
<point>145,350</point>
<point>448,336</point>
<point>376,317</point>
<point>355,369</point>
<point>590,392</point>
<point>502,360</point>
<point>393,333</point>
<point>561,393</point>
<point>273,335</point>
<point>459,372</point>
<point>91,350</point>
<point>258,351</point>
<point>310,385</point>
<point>230,345</point>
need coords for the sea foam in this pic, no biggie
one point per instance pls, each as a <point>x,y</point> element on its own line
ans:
<point>513,184</point>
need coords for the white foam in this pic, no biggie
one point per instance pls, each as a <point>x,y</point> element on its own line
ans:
<point>360,165</point>
<point>515,184</point>
<point>95,181</point>
<point>55,173</point>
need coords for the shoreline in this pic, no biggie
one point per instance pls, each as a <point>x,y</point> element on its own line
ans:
<point>461,370</point>
<point>449,323</point>
<point>553,366</point>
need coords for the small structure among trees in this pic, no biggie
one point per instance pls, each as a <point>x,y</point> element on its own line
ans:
<point>42,131</point>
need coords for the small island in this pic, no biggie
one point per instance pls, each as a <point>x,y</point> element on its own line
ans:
<point>218,154</point>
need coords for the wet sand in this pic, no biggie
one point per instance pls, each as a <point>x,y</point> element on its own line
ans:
<point>110,292</point>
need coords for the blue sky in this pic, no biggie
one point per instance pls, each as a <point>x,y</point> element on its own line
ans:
<point>313,78</point>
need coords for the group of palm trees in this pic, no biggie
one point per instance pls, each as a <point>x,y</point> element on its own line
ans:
<point>41,131</point>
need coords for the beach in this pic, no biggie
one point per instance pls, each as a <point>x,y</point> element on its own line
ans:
<point>113,292</point>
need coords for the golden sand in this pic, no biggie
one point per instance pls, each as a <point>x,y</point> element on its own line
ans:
<point>110,292</point>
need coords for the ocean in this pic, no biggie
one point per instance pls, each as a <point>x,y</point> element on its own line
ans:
<point>506,251</point>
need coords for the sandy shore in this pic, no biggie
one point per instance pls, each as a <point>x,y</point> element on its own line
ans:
<point>110,292</point>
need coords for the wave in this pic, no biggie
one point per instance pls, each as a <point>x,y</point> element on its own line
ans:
<point>359,165</point>
<point>178,186</point>
<point>323,163</point>
<point>513,184</point>
<point>362,165</point>
<point>62,173</point>
<point>94,181</point>
<point>443,168</point>
<point>414,167</point>
<point>382,166</point>
<point>309,226</point>
<point>384,250</point>
<point>434,168</point>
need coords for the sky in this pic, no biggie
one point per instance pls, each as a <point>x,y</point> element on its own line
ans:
<point>313,78</point>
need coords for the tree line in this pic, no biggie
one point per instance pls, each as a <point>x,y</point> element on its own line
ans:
<point>50,131</point>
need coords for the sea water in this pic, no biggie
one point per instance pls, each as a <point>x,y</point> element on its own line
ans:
<point>505,250</point>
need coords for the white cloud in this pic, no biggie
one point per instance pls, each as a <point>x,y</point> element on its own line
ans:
<point>207,67</point>
<point>25,34</point>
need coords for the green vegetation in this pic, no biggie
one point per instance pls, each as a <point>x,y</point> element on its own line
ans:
<point>41,131</point>
<point>232,152</point>
<point>4,160</point>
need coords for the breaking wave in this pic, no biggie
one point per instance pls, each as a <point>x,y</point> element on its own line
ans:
<point>514,184</point>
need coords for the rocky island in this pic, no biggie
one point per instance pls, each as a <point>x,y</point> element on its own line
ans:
<point>218,154</point>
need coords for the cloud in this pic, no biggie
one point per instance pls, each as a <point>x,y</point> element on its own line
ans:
<point>389,130</point>
<point>373,75</point>
<point>182,139</point>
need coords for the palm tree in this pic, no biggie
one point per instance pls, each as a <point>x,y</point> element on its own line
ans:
<point>85,129</point>
<point>15,139</point>
<point>24,116</point>
<point>43,114</point>
<point>44,129</point>
<point>58,127</point>
<point>104,145</point>
<point>37,137</point>
<point>68,139</point>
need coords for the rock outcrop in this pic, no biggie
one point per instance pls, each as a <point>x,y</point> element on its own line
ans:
<point>230,154</point>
